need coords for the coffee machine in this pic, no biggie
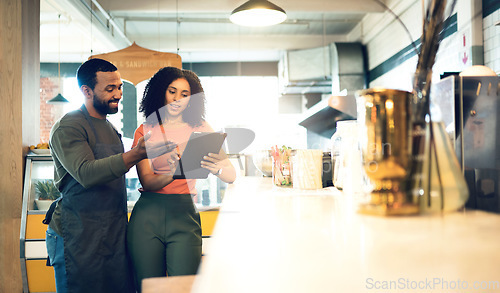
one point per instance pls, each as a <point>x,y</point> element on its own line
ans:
<point>469,106</point>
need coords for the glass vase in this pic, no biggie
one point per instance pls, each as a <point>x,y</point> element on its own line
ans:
<point>437,181</point>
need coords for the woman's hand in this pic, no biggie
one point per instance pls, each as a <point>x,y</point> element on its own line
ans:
<point>213,162</point>
<point>219,165</point>
<point>173,161</point>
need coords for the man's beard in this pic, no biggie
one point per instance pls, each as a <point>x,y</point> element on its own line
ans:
<point>103,107</point>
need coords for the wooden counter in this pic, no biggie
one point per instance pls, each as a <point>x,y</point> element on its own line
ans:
<point>271,239</point>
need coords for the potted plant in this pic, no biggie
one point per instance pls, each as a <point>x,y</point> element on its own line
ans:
<point>47,192</point>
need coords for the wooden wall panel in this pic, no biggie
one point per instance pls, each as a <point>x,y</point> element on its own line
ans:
<point>10,144</point>
<point>31,72</point>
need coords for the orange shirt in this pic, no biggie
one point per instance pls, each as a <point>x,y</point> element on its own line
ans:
<point>180,136</point>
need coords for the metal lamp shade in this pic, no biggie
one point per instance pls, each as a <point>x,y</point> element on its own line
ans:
<point>258,13</point>
<point>59,99</point>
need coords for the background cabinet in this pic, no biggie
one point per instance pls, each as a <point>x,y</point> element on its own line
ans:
<point>36,276</point>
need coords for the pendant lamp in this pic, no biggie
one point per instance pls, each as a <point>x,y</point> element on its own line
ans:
<point>258,13</point>
<point>59,99</point>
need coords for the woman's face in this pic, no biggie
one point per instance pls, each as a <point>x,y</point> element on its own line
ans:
<point>177,97</point>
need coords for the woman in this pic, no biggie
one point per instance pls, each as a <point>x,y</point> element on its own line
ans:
<point>164,233</point>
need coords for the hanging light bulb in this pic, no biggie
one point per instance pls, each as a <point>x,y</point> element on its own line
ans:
<point>258,13</point>
<point>58,99</point>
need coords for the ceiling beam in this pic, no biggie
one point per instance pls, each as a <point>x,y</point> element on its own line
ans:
<point>226,6</point>
<point>305,22</point>
<point>91,24</point>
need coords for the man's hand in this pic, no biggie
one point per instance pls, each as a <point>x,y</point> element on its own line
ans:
<point>146,148</point>
<point>154,148</point>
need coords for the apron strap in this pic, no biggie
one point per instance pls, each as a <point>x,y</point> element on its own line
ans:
<point>87,117</point>
<point>50,211</point>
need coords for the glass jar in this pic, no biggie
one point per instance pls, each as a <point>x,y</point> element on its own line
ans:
<point>282,169</point>
<point>342,141</point>
<point>335,151</point>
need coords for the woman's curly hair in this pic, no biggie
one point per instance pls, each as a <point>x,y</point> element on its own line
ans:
<point>154,94</point>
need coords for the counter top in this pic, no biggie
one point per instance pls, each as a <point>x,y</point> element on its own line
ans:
<point>272,239</point>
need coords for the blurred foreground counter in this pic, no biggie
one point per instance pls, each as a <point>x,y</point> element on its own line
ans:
<point>272,239</point>
<point>178,284</point>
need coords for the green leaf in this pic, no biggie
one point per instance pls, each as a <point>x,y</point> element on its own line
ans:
<point>47,190</point>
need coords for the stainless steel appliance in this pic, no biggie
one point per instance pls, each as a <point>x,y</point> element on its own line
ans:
<point>470,108</point>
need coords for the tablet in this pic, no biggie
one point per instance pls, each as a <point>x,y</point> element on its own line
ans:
<point>198,146</point>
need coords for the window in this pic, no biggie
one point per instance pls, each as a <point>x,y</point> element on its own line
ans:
<point>252,102</point>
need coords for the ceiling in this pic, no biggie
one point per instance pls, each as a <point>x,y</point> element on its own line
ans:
<point>198,30</point>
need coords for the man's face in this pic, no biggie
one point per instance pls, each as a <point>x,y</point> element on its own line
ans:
<point>107,92</point>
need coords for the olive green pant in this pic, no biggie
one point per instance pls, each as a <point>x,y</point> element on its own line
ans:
<point>164,236</point>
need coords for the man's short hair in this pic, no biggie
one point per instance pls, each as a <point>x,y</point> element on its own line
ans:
<point>86,73</point>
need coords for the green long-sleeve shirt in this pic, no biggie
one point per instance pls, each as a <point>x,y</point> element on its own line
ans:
<point>71,142</point>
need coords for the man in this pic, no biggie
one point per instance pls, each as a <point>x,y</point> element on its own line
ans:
<point>86,235</point>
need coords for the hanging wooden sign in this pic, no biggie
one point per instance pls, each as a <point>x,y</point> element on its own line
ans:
<point>136,63</point>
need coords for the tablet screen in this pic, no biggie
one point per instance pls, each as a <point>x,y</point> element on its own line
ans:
<point>198,146</point>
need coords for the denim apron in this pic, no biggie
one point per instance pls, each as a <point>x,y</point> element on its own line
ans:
<point>93,224</point>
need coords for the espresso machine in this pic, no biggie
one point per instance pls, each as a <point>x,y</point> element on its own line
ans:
<point>469,106</point>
